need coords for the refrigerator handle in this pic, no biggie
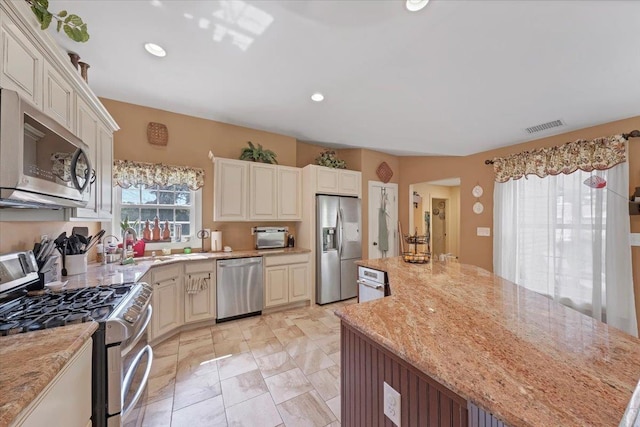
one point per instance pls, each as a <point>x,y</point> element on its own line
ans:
<point>340,227</point>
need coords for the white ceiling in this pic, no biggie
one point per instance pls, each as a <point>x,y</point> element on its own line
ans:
<point>458,77</point>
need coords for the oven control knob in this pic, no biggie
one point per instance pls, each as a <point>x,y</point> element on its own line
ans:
<point>131,315</point>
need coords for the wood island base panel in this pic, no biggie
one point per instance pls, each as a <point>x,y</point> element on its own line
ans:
<point>463,346</point>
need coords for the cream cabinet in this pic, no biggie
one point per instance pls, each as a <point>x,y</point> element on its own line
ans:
<point>167,300</point>
<point>22,63</point>
<point>289,193</point>
<point>336,181</point>
<point>105,172</point>
<point>200,306</point>
<point>263,192</point>
<point>247,191</point>
<point>230,190</point>
<point>59,102</point>
<point>287,279</point>
<point>67,399</point>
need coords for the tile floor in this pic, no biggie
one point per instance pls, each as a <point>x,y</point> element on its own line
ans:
<point>280,369</point>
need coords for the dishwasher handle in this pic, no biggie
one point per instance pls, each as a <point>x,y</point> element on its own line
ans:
<point>240,265</point>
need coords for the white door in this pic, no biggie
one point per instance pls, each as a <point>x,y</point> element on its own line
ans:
<point>378,191</point>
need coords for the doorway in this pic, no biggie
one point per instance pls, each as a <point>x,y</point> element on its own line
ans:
<point>383,203</point>
<point>434,211</point>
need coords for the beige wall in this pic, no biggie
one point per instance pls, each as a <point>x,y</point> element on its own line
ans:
<point>190,140</point>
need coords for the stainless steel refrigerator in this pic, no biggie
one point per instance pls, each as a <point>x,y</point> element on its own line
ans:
<point>338,247</point>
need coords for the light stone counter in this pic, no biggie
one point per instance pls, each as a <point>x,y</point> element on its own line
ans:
<point>30,361</point>
<point>516,354</point>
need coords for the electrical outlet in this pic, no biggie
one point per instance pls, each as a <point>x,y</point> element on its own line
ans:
<point>392,404</point>
<point>483,231</point>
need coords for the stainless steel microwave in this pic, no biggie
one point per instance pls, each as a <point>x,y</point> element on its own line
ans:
<point>42,164</point>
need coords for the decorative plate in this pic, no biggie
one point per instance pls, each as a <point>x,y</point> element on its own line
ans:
<point>478,208</point>
<point>436,211</point>
<point>441,205</point>
<point>477,191</point>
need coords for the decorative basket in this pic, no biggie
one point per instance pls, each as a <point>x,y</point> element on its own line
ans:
<point>416,257</point>
<point>384,172</point>
<point>157,134</point>
<point>416,239</point>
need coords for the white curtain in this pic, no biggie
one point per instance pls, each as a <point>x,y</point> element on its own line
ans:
<point>563,239</point>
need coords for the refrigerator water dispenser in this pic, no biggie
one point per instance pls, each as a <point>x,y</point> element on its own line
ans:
<point>329,239</point>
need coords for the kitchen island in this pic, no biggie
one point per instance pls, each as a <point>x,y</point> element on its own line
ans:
<point>474,337</point>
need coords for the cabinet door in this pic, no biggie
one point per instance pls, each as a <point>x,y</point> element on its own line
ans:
<point>289,193</point>
<point>230,190</point>
<point>21,63</point>
<point>350,182</point>
<point>87,131</point>
<point>298,282</point>
<point>326,180</point>
<point>276,286</point>
<point>105,173</point>
<point>262,192</point>
<point>167,306</point>
<point>58,98</point>
<point>200,306</point>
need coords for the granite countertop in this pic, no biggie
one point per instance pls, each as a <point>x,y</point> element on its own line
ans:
<point>31,361</point>
<point>514,353</point>
<point>115,274</point>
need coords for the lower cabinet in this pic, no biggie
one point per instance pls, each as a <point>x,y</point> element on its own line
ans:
<point>286,279</point>
<point>67,399</point>
<point>200,304</point>
<point>167,300</point>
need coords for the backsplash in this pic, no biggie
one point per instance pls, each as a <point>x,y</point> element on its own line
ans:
<point>238,234</point>
<point>20,236</point>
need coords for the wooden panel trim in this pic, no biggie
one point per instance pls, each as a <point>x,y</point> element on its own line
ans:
<point>366,365</point>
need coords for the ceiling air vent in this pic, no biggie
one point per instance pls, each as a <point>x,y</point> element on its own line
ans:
<point>545,126</point>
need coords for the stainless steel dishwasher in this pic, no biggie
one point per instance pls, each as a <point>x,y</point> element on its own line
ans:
<point>239,288</point>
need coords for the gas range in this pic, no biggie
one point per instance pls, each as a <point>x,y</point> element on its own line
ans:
<point>32,313</point>
<point>120,349</point>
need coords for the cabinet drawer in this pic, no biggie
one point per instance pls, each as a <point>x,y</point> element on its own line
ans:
<point>200,267</point>
<point>166,273</point>
<point>285,259</point>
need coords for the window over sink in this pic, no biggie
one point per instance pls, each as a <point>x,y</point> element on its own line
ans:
<point>175,204</point>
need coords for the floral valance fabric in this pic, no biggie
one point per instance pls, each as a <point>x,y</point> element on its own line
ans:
<point>598,154</point>
<point>127,173</point>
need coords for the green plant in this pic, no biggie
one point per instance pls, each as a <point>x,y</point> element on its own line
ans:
<point>328,158</point>
<point>126,224</point>
<point>258,154</point>
<point>71,24</point>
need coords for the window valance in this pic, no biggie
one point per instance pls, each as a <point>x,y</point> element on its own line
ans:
<point>598,154</point>
<point>127,173</point>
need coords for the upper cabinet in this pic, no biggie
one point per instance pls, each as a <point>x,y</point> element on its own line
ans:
<point>230,190</point>
<point>326,180</point>
<point>246,191</point>
<point>289,193</point>
<point>32,64</point>
<point>22,62</point>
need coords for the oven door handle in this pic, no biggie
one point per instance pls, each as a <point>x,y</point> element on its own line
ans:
<point>129,377</point>
<point>142,330</point>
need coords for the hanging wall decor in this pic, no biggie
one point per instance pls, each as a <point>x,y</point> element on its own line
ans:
<point>384,172</point>
<point>157,134</point>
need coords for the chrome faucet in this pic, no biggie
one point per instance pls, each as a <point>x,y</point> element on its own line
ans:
<point>125,234</point>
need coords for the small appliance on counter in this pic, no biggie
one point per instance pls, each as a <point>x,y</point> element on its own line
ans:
<point>270,237</point>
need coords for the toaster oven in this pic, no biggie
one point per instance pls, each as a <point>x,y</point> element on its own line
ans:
<point>270,237</point>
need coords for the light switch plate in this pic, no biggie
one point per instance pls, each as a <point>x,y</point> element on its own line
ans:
<point>392,404</point>
<point>484,231</point>
<point>634,239</point>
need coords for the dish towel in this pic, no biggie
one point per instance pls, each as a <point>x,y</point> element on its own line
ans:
<point>383,231</point>
<point>196,284</point>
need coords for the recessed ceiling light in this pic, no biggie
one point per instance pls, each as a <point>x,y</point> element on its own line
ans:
<point>318,97</point>
<point>155,50</point>
<point>416,5</point>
